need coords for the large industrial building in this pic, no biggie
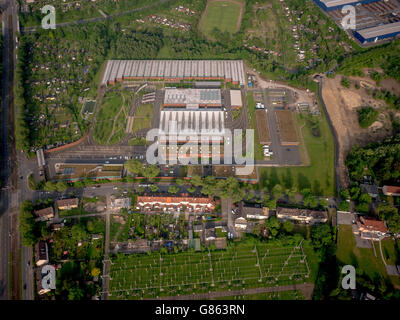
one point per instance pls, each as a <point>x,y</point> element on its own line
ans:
<point>378,33</point>
<point>330,5</point>
<point>177,125</point>
<point>193,98</point>
<point>174,70</point>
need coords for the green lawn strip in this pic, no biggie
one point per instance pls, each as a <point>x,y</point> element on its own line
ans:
<point>279,295</point>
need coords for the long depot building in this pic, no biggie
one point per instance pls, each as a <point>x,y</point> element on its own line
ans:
<point>174,70</point>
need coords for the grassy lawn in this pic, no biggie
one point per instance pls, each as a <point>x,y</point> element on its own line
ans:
<point>223,15</point>
<point>240,266</point>
<point>363,259</point>
<point>319,175</point>
<point>251,109</point>
<point>143,117</point>
<point>111,104</point>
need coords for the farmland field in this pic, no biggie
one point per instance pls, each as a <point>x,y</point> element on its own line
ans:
<point>241,266</point>
<point>224,15</point>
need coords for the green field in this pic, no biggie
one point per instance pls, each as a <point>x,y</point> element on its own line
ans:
<point>240,266</point>
<point>223,15</point>
<point>319,175</point>
<point>110,122</point>
<point>143,117</point>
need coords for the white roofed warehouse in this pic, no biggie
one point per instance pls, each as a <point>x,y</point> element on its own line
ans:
<point>174,70</point>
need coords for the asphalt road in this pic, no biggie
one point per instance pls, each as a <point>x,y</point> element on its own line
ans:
<point>8,27</point>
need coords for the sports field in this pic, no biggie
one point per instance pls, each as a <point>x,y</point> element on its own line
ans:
<point>143,117</point>
<point>240,266</point>
<point>224,15</point>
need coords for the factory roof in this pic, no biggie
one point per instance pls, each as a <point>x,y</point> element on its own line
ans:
<point>379,30</point>
<point>229,70</point>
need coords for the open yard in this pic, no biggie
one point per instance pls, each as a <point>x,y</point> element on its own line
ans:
<point>243,265</point>
<point>224,15</point>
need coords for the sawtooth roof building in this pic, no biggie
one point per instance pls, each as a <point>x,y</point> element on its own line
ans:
<point>174,70</point>
<point>193,98</point>
<point>330,5</point>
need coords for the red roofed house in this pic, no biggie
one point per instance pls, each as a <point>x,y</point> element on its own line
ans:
<point>178,203</point>
<point>391,191</point>
<point>371,228</point>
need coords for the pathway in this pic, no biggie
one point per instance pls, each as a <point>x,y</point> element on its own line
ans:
<point>306,289</point>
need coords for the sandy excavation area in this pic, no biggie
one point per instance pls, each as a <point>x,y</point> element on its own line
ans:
<point>342,105</point>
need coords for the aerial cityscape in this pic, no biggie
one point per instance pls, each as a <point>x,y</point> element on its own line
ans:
<point>200,150</point>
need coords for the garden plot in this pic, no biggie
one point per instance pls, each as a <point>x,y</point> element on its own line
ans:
<point>240,266</point>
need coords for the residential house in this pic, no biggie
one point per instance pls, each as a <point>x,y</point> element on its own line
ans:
<point>391,191</point>
<point>254,211</point>
<point>301,215</point>
<point>241,223</point>
<point>44,214</point>
<point>41,253</point>
<point>370,228</point>
<point>56,226</point>
<point>67,204</point>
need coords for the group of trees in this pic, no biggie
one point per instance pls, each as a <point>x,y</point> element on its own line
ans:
<point>137,168</point>
<point>381,160</point>
<point>367,116</point>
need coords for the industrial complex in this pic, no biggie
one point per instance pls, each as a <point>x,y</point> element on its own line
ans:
<point>174,70</point>
<point>376,20</point>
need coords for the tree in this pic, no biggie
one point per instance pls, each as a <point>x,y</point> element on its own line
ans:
<point>271,204</point>
<point>151,171</point>
<point>50,186</point>
<point>154,188</point>
<point>344,194</point>
<point>90,226</point>
<point>134,166</point>
<point>196,180</point>
<point>386,211</point>
<point>78,232</point>
<point>27,224</point>
<point>180,182</point>
<point>321,235</point>
<point>344,205</point>
<point>61,186</point>
<point>95,272</point>
<point>277,191</point>
<point>394,223</point>
<point>191,189</point>
<point>323,202</point>
<point>173,189</point>
<point>273,225</point>
<point>288,226</point>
